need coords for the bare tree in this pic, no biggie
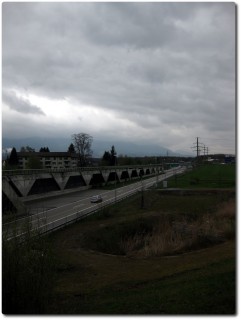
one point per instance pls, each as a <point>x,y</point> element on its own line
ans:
<point>27,149</point>
<point>82,143</point>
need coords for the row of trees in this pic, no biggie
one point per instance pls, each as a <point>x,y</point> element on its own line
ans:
<point>81,145</point>
<point>30,149</point>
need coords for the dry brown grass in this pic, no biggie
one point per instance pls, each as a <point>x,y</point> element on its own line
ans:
<point>172,237</point>
<point>227,209</point>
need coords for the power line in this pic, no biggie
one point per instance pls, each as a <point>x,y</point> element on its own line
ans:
<point>198,147</point>
<point>211,138</point>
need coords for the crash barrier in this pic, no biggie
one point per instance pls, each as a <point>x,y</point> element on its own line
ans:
<point>42,226</point>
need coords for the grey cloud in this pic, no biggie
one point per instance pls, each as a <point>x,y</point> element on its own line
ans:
<point>19,104</point>
<point>136,59</point>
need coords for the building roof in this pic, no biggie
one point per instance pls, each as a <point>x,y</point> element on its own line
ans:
<point>47,154</point>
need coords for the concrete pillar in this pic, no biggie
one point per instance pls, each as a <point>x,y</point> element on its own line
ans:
<point>61,178</point>
<point>87,177</point>
<point>23,183</point>
<point>12,196</point>
<point>105,174</point>
<point>119,172</point>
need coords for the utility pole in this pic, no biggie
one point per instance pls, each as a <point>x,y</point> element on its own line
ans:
<point>205,151</point>
<point>198,147</point>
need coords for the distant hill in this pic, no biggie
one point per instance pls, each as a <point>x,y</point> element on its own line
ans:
<point>98,146</point>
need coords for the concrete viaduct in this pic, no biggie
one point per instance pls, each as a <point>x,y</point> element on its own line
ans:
<point>27,184</point>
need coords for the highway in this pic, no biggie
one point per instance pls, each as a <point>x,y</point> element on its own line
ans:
<point>51,213</point>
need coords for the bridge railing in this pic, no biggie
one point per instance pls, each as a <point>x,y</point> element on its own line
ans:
<point>45,226</point>
<point>75,169</point>
<point>83,213</point>
<point>42,226</point>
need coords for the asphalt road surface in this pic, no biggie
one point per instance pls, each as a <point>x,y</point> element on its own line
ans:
<point>49,213</point>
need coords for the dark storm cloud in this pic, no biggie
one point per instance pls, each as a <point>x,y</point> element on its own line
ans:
<point>166,63</point>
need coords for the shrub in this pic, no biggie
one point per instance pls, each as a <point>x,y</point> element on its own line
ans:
<point>176,235</point>
<point>27,274</point>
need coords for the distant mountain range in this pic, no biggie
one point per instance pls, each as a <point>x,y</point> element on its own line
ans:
<point>98,146</point>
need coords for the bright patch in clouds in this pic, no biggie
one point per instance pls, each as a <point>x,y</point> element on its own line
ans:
<point>157,72</point>
<point>57,110</point>
<point>79,117</point>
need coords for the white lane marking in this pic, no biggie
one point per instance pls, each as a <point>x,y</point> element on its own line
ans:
<point>129,188</point>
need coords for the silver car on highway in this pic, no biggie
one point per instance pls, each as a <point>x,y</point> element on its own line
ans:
<point>96,199</point>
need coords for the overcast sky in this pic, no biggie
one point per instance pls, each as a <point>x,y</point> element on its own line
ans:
<point>160,73</point>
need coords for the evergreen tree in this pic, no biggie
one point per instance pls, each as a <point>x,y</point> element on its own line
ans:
<point>44,149</point>
<point>109,157</point>
<point>106,158</point>
<point>71,148</point>
<point>13,158</point>
<point>113,158</point>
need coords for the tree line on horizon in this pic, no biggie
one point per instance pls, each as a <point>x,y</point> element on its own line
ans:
<point>81,145</point>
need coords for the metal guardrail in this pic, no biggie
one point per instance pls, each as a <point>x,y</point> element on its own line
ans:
<point>76,216</point>
<point>81,214</point>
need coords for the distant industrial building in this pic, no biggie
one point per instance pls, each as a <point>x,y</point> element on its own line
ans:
<point>229,158</point>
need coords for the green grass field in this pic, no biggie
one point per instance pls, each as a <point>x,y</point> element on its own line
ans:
<point>205,176</point>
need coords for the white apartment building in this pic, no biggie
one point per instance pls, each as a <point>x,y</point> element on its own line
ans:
<point>49,160</point>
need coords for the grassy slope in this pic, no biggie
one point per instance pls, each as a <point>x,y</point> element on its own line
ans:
<point>196,283</point>
<point>89,282</point>
<point>198,291</point>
